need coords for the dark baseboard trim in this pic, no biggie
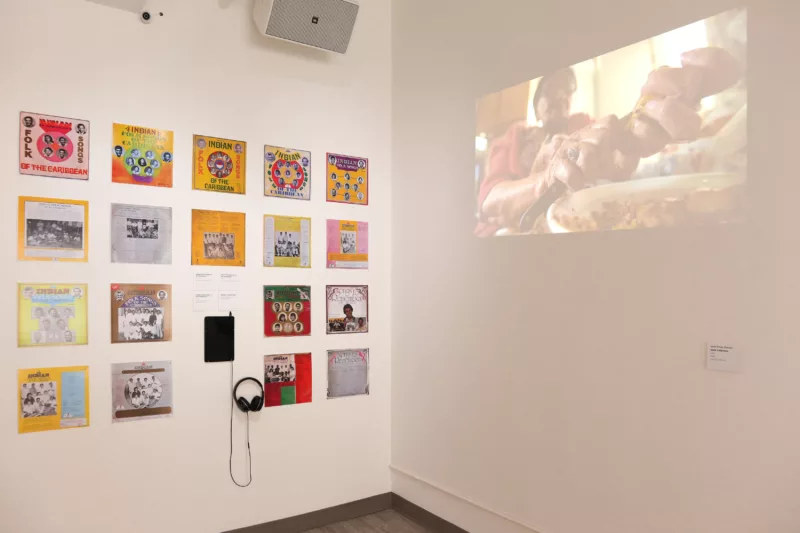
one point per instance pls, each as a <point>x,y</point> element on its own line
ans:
<point>423,517</point>
<point>323,517</point>
<point>348,511</point>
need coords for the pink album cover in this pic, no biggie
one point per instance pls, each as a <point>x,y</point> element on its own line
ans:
<point>54,147</point>
<point>348,244</point>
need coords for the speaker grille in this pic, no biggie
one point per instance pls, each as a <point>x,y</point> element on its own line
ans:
<point>324,24</point>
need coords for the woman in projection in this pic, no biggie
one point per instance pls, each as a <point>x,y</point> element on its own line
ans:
<point>577,151</point>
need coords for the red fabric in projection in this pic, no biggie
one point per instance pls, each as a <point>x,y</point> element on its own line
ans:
<point>303,363</point>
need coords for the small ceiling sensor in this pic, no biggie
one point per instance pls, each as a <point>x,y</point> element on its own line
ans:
<point>148,13</point>
<point>147,16</point>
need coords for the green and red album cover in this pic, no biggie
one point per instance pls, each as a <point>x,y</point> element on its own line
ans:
<point>287,311</point>
<point>287,379</point>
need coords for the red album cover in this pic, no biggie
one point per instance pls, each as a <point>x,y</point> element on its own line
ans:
<point>287,311</point>
<point>287,379</point>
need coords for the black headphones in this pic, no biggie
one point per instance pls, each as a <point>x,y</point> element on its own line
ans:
<point>243,404</point>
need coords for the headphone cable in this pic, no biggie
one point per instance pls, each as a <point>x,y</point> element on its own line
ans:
<point>249,457</point>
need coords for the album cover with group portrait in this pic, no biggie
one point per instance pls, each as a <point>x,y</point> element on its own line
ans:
<point>52,314</point>
<point>287,311</point>
<point>141,390</point>
<point>141,313</point>
<point>218,238</point>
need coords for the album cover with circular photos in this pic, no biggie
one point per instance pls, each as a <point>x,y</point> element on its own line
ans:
<point>141,390</point>
<point>287,311</point>
<point>54,147</point>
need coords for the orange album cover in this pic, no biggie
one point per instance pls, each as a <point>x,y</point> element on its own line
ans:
<point>217,238</point>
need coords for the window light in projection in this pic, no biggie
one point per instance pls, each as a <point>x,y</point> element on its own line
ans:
<point>668,48</point>
<point>607,144</point>
<point>481,143</point>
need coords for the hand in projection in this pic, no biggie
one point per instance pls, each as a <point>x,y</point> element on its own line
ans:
<point>589,154</point>
<point>610,148</point>
<point>667,110</point>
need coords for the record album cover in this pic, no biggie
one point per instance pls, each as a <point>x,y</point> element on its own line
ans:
<point>348,372</point>
<point>141,390</point>
<point>347,309</point>
<point>142,156</point>
<point>348,244</point>
<point>141,313</point>
<point>52,314</point>
<point>52,398</point>
<point>347,179</point>
<point>219,165</point>
<point>287,173</point>
<point>55,147</point>
<point>287,311</point>
<point>287,379</point>
<point>218,238</point>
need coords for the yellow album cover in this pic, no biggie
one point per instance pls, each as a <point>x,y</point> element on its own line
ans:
<point>52,398</point>
<point>218,164</point>
<point>52,229</point>
<point>52,314</point>
<point>217,238</point>
<point>287,241</point>
<point>347,179</point>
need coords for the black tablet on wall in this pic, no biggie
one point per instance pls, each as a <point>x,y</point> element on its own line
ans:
<point>219,339</point>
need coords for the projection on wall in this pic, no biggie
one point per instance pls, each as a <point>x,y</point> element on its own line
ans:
<point>650,135</point>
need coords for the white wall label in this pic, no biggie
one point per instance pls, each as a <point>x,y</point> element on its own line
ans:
<point>205,281</point>
<point>229,300</point>
<point>205,301</point>
<point>723,357</point>
<point>229,281</point>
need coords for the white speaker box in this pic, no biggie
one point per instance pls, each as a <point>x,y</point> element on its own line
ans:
<point>324,24</point>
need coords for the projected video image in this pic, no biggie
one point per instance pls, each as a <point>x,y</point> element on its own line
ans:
<point>650,135</point>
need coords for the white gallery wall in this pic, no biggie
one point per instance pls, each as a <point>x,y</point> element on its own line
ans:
<point>557,383</point>
<point>201,69</point>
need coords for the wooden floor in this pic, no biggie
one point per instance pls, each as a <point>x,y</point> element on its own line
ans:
<point>383,522</point>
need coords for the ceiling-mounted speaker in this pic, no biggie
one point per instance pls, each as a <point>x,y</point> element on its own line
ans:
<point>324,24</point>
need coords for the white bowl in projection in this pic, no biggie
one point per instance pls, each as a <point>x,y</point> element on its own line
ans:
<point>584,203</point>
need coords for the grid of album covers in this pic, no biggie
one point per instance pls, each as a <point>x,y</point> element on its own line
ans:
<point>56,230</point>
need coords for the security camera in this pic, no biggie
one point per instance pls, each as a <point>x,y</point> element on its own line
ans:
<point>148,15</point>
